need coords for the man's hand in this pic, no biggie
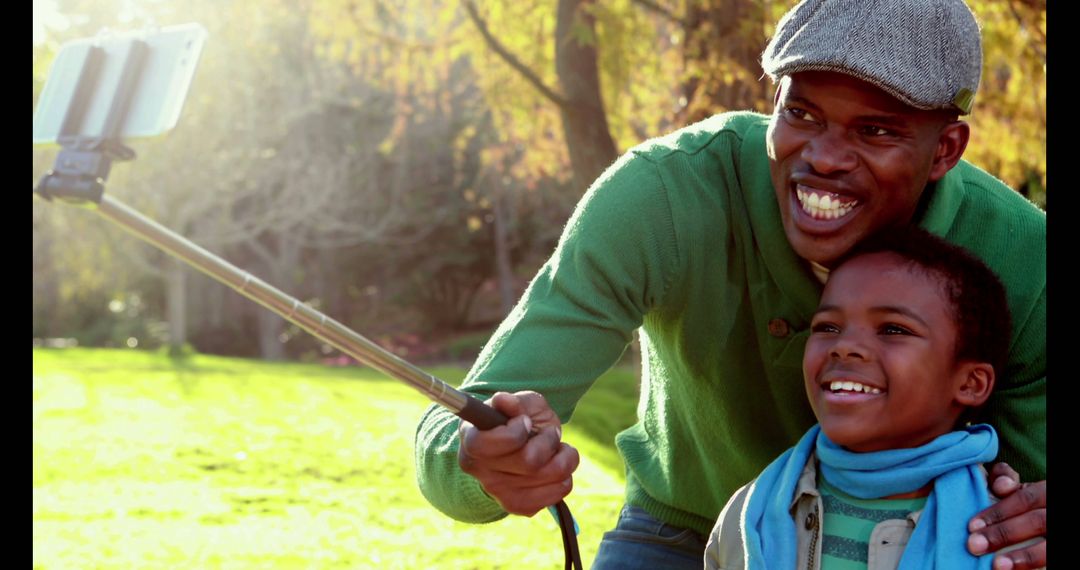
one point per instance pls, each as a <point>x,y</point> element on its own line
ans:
<point>1019,516</point>
<point>523,465</point>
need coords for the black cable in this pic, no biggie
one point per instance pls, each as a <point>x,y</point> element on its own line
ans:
<point>569,536</point>
<point>486,417</point>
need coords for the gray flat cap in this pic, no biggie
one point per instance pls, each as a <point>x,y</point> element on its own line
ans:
<point>926,53</point>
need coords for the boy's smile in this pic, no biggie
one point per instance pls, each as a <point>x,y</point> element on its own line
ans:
<point>880,366</point>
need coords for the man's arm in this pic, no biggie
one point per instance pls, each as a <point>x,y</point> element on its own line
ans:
<point>613,263</point>
<point>980,213</point>
<point>1019,413</point>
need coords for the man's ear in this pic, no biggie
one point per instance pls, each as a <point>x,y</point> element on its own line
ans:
<point>975,382</point>
<point>951,144</point>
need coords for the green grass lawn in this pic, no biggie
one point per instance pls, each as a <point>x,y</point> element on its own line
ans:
<point>141,461</point>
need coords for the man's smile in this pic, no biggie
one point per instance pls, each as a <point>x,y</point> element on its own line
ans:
<point>822,205</point>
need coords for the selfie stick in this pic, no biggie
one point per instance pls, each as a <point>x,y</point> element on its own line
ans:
<point>78,177</point>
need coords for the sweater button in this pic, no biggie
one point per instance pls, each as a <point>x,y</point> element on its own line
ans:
<point>811,521</point>
<point>779,328</point>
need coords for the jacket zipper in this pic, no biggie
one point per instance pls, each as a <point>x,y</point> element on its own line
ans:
<point>813,540</point>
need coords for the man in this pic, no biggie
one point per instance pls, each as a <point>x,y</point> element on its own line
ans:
<point>714,242</point>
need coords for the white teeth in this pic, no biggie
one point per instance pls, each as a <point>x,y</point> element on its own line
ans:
<point>849,386</point>
<point>823,206</point>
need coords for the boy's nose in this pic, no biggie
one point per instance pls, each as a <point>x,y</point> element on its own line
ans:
<point>847,347</point>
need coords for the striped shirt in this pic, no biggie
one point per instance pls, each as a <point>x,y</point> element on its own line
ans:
<point>849,521</point>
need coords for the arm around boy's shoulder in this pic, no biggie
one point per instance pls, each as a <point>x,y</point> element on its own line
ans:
<point>972,209</point>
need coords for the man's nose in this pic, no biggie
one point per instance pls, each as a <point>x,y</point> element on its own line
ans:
<point>829,152</point>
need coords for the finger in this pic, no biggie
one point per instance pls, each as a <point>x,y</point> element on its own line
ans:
<point>539,451</point>
<point>1004,479</point>
<point>531,458</point>
<point>526,402</point>
<point>530,500</point>
<point>1002,468</point>
<point>509,404</point>
<point>1028,558</point>
<point>495,442</point>
<point>559,467</point>
<point>1012,531</point>
<point>1028,498</point>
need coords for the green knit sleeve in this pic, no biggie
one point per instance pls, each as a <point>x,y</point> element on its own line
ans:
<point>1017,407</point>
<point>614,262</point>
<point>1009,234</point>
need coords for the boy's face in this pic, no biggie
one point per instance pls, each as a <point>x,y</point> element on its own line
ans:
<point>879,366</point>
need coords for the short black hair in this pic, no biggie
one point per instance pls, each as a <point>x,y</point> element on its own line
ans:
<point>979,305</point>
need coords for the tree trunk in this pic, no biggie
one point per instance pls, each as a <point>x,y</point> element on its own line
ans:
<point>503,267</point>
<point>271,327</point>
<point>585,126</point>
<point>724,40</point>
<point>176,300</point>
<point>281,257</point>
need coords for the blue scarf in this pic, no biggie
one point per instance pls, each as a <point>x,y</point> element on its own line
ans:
<point>940,539</point>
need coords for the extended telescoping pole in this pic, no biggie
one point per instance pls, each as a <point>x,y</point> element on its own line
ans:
<point>88,111</point>
<point>326,329</point>
<point>293,310</point>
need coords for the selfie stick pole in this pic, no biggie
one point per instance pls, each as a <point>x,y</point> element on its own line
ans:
<point>78,177</point>
<point>326,329</point>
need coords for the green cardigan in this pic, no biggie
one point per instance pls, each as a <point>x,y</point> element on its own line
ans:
<point>682,238</point>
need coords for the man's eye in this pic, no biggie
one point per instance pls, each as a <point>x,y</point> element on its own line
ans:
<point>874,131</point>
<point>894,329</point>
<point>800,114</point>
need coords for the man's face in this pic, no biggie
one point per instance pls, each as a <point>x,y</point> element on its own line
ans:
<point>847,160</point>
<point>880,366</point>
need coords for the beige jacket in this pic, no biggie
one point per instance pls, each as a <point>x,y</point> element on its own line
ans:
<point>725,548</point>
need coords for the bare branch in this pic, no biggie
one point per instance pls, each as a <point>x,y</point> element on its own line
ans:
<point>665,12</point>
<point>1031,26</point>
<point>510,59</point>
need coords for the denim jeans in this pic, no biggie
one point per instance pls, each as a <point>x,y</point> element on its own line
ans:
<point>641,541</point>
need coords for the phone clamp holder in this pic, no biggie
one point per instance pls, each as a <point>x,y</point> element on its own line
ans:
<point>79,173</point>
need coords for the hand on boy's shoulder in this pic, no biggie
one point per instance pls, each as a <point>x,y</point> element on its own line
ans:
<point>1015,525</point>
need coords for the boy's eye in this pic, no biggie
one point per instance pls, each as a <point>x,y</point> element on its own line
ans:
<point>824,328</point>
<point>894,329</point>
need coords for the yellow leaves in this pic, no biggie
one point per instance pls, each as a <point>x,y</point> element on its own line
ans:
<point>1009,117</point>
<point>336,50</point>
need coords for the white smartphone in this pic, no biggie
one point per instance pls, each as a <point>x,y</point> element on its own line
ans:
<point>89,95</point>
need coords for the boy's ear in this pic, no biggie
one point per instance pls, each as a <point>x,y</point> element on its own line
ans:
<point>975,382</point>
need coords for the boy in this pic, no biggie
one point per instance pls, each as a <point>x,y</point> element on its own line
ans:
<point>903,346</point>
